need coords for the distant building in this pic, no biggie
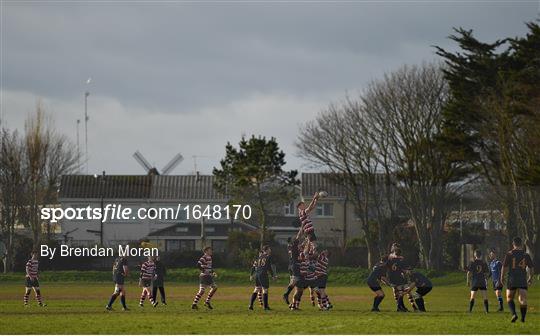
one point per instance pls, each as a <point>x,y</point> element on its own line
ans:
<point>335,218</point>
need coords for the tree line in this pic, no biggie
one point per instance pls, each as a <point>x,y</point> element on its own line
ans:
<point>413,141</point>
<point>31,165</point>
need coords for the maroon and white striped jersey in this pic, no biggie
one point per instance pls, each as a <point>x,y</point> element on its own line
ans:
<point>321,267</point>
<point>307,224</point>
<point>205,264</point>
<point>148,269</point>
<point>32,268</point>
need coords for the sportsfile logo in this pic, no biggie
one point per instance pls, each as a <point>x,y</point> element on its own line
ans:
<point>118,212</point>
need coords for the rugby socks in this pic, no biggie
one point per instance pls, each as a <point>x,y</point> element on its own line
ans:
<point>123,301</point>
<point>289,290</point>
<point>253,298</point>
<point>377,301</point>
<point>265,300</point>
<point>198,296</point>
<point>486,306</point>
<point>38,297</point>
<point>400,303</point>
<point>143,297</point>
<point>500,299</point>
<point>412,301</point>
<point>471,305</point>
<point>312,297</point>
<point>512,306</point>
<point>420,304</point>
<point>113,298</point>
<point>210,294</point>
<point>26,296</point>
<point>523,310</point>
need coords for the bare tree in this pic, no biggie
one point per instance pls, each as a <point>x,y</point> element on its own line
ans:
<point>337,141</point>
<point>12,175</point>
<point>405,111</point>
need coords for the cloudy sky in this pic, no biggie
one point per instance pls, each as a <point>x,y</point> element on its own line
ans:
<point>187,77</point>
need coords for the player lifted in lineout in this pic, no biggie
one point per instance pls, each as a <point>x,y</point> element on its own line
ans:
<point>305,220</point>
<point>206,279</point>
<point>519,266</point>
<point>119,273</point>
<point>261,267</point>
<point>477,272</point>
<point>32,281</point>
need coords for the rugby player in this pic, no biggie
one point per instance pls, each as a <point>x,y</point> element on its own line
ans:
<point>206,279</point>
<point>119,273</point>
<point>374,280</point>
<point>32,279</point>
<point>477,271</point>
<point>423,286</point>
<point>263,265</point>
<point>519,267</point>
<point>146,277</point>
<point>495,266</point>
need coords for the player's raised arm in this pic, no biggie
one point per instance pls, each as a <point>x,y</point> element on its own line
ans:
<point>313,203</point>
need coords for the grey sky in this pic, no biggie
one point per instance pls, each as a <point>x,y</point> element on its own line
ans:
<point>189,77</point>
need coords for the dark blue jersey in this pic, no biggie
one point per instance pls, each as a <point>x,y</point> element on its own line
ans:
<point>376,274</point>
<point>420,280</point>
<point>263,264</point>
<point>478,269</point>
<point>395,266</point>
<point>517,261</point>
<point>294,253</point>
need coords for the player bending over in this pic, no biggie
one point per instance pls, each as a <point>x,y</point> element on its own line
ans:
<point>206,279</point>
<point>495,266</point>
<point>119,273</point>
<point>423,286</point>
<point>519,267</point>
<point>32,281</point>
<point>158,281</point>
<point>374,280</point>
<point>321,273</point>
<point>262,266</point>
<point>478,271</point>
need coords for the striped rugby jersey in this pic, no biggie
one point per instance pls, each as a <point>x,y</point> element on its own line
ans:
<point>307,224</point>
<point>205,264</point>
<point>148,269</point>
<point>321,267</point>
<point>32,268</point>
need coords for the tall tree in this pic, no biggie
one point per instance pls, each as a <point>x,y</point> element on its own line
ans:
<point>492,119</point>
<point>12,189</point>
<point>253,174</point>
<point>336,141</point>
<point>405,114</point>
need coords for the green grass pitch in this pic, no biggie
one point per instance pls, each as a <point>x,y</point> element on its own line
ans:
<point>78,308</point>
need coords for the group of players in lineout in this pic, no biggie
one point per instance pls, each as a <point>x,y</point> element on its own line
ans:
<point>308,269</point>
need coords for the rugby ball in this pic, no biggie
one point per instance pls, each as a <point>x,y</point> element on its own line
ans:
<point>323,194</point>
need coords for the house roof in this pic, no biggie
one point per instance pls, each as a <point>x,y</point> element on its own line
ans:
<point>313,182</point>
<point>193,187</point>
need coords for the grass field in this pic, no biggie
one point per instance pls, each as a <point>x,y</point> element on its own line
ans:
<point>78,308</point>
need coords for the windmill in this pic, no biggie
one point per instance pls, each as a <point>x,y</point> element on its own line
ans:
<point>175,161</point>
